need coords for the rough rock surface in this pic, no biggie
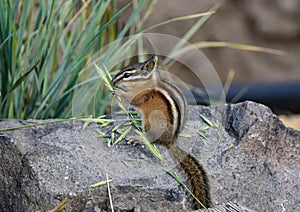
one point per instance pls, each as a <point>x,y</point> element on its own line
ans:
<point>252,158</point>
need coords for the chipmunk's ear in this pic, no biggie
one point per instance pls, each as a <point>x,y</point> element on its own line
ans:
<point>150,63</point>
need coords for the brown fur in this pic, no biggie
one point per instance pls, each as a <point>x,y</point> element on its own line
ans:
<point>148,102</point>
<point>198,181</point>
<point>197,178</point>
<point>163,115</point>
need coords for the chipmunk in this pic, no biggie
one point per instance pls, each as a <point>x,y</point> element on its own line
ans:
<point>163,110</point>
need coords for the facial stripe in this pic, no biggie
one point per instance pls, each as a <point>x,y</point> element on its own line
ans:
<point>120,75</point>
<point>134,69</point>
<point>136,75</point>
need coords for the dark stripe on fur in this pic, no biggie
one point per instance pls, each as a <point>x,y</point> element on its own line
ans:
<point>196,177</point>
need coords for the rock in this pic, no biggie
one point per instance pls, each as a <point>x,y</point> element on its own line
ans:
<point>252,158</point>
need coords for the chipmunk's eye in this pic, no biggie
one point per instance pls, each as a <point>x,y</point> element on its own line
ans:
<point>126,75</point>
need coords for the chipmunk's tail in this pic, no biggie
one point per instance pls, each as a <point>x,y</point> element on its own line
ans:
<point>196,177</point>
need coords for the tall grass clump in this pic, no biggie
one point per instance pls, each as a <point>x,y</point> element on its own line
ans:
<point>53,53</point>
<point>43,47</point>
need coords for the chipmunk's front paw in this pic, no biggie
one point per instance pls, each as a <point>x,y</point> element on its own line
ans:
<point>134,140</point>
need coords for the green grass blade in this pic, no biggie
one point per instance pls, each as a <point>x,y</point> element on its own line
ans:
<point>102,183</point>
<point>182,18</point>
<point>23,77</point>
<point>191,32</point>
<point>22,25</point>
<point>238,46</point>
<point>154,150</point>
<point>123,135</point>
<point>123,32</point>
<point>178,179</point>
<point>35,125</point>
<point>184,135</point>
<point>207,121</point>
<point>6,40</point>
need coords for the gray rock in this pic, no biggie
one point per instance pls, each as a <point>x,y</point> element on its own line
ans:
<point>252,158</point>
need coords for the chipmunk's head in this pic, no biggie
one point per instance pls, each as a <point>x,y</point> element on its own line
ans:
<point>137,76</point>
